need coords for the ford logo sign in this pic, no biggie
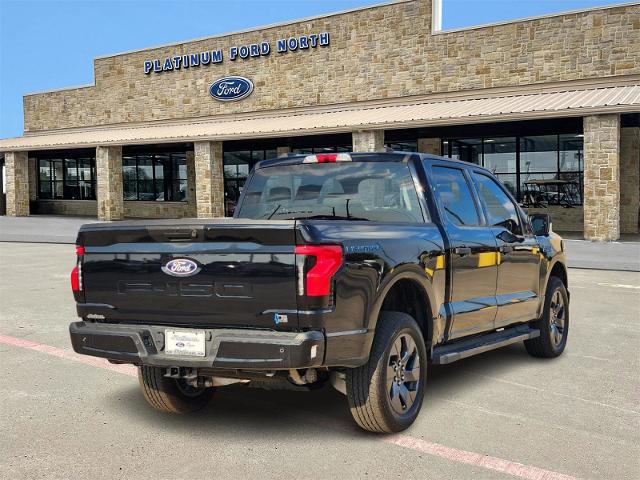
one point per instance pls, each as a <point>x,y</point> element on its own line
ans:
<point>228,89</point>
<point>181,267</point>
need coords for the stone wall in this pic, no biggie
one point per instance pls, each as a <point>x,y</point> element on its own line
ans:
<point>368,141</point>
<point>563,219</point>
<point>89,208</point>
<point>375,53</point>
<point>281,151</point>
<point>430,145</point>
<point>602,177</point>
<point>109,189</point>
<point>159,209</point>
<point>84,208</point>
<point>629,179</point>
<point>33,179</point>
<point>209,179</point>
<point>17,183</point>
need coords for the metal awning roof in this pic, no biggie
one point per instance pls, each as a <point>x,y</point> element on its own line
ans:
<point>574,102</point>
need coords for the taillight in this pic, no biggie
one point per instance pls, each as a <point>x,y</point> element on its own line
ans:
<point>317,279</point>
<point>75,279</point>
<point>76,273</point>
<point>327,158</point>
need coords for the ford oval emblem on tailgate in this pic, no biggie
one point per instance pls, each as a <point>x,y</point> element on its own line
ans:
<point>228,89</point>
<point>181,267</point>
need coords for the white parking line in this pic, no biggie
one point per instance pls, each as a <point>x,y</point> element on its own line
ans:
<point>435,449</point>
<point>618,285</point>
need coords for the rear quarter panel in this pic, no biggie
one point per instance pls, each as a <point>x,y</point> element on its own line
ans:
<point>377,255</point>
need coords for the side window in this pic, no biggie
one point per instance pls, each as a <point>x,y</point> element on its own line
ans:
<point>455,196</point>
<point>501,211</point>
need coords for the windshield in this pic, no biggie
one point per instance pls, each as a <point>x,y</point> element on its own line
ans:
<point>377,191</point>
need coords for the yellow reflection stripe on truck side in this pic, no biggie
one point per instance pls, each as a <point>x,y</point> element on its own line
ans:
<point>488,259</point>
<point>439,266</point>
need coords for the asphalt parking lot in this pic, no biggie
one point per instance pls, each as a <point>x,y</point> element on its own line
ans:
<point>499,415</point>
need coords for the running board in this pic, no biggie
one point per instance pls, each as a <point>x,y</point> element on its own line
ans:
<point>467,347</point>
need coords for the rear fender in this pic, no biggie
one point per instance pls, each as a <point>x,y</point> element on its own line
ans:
<point>414,274</point>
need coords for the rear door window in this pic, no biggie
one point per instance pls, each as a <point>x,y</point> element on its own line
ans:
<point>455,196</point>
<point>376,191</point>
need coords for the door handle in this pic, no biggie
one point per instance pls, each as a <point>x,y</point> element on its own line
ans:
<point>506,249</point>
<point>462,251</point>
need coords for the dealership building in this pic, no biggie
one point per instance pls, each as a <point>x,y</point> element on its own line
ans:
<point>550,104</point>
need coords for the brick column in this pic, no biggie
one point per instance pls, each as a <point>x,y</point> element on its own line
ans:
<point>16,166</point>
<point>283,151</point>
<point>209,179</point>
<point>368,141</point>
<point>33,177</point>
<point>191,182</point>
<point>629,179</point>
<point>602,177</point>
<point>429,145</point>
<point>109,183</point>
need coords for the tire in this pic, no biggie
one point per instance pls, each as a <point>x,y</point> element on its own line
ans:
<point>169,394</point>
<point>371,387</point>
<point>554,323</point>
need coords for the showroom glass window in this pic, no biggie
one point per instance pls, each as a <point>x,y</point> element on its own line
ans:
<point>404,146</point>
<point>323,149</point>
<point>160,177</point>
<point>538,170</point>
<point>68,176</point>
<point>237,165</point>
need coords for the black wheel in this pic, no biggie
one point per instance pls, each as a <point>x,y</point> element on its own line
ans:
<point>554,324</point>
<point>169,394</point>
<point>385,394</point>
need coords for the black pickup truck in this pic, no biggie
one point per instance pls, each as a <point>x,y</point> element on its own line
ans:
<point>356,269</point>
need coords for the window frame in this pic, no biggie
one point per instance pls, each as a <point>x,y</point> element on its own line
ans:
<point>236,180</point>
<point>62,159</point>
<point>155,163</point>
<point>446,145</point>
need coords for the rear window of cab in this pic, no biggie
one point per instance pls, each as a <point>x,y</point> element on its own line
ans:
<point>374,191</point>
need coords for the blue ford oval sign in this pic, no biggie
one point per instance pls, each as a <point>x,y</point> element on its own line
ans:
<point>228,89</point>
<point>181,267</point>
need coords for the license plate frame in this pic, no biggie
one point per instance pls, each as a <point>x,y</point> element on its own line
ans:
<point>186,343</point>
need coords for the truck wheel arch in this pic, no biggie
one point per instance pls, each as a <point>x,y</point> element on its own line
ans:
<point>405,293</point>
<point>558,269</point>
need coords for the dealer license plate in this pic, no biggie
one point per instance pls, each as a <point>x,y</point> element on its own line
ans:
<point>184,342</point>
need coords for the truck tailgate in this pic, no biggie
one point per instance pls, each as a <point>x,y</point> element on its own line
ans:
<point>235,273</point>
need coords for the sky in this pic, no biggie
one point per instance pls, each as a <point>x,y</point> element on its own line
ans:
<point>50,44</point>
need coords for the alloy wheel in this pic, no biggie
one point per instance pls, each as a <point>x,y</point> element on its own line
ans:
<point>557,318</point>
<point>403,373</point>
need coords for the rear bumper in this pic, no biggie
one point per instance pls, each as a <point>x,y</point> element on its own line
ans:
<point>225,348</point>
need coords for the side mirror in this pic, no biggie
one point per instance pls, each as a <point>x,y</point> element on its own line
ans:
<point>541,224</point>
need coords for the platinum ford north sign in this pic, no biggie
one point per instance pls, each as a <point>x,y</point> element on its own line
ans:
<point>228,89</point>
<point>244,52</point>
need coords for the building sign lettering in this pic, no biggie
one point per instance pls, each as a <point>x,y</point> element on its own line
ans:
<point>208,57</point>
